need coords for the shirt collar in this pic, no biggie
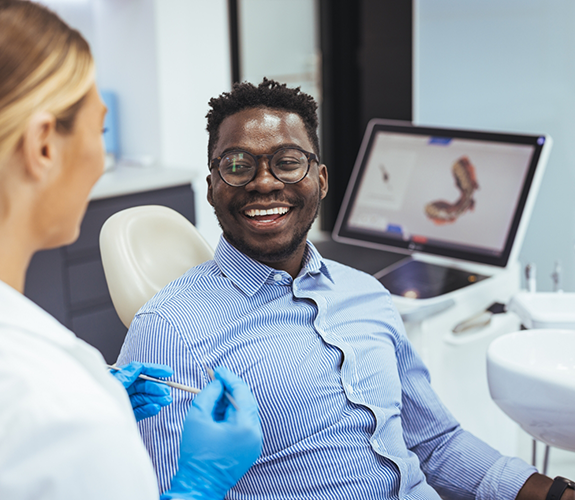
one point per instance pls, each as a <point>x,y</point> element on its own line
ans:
<point>249,275</point>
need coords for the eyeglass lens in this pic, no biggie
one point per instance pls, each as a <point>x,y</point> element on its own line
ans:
<point>239,167</point>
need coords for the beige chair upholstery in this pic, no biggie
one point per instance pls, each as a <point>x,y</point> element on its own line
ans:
<point>143,249</point>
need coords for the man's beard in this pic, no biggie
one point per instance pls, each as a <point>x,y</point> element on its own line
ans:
<point>270,256</point>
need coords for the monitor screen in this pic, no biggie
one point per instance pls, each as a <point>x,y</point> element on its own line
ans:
<point>456,193</point>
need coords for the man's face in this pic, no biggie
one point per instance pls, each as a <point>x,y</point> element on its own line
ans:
<point>285,211</point>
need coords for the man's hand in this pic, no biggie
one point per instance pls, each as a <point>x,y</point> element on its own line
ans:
<point>147,397</point>
<point>537,487</point>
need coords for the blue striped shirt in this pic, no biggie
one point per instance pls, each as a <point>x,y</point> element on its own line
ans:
<point>346,404</point>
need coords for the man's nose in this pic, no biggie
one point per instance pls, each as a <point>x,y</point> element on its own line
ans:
<point>264,181</point>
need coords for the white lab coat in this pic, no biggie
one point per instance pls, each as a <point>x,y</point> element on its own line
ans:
<point>67,430</point>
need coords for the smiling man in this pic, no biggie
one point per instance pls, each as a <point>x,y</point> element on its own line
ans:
<point>346,404</point>
<point>266,213</point>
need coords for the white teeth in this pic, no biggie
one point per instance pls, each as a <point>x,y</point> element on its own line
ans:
<point>277,210</point>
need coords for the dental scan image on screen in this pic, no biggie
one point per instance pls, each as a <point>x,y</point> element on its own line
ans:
<point>458,192</point>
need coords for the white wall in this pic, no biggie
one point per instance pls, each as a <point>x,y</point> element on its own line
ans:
<point>125,49</point>
<point>193,66</point>
<point>508,65</point>
<point>281,43</point>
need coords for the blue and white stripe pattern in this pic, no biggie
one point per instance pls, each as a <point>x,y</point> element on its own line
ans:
<point>345,402</point>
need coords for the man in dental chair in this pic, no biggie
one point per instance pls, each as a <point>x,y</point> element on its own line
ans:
<point>346,404</point>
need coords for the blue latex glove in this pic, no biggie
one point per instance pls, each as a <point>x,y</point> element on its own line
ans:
<point>219,443</point>
<point>147,397</point>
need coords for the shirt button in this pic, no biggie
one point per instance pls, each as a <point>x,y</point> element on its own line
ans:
<point>349,388</point>
<point>278,277</point>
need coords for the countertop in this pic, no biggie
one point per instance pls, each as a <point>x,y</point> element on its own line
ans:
<point>129,179</point>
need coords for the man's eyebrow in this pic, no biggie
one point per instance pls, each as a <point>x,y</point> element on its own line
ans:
<point>281,146</point>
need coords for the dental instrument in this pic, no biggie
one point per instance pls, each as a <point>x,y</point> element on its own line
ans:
<point>531,277</point>
<point>556,277</point>
<point>480,320</point>
<point>175,385</point>
<point>226,393</point>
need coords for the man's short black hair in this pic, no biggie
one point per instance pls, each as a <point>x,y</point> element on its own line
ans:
<point>268,94</point>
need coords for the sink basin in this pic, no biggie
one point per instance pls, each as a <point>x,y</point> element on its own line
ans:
<point>531,377</point>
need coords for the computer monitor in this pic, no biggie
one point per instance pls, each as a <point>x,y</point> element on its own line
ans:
<point>463,194</point>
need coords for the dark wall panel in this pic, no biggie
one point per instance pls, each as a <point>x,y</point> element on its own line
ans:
<point>386,61</point>
<point>340,108</point>
<point>367,73</point>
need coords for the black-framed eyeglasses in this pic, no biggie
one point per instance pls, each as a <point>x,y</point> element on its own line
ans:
<point>288,165</point>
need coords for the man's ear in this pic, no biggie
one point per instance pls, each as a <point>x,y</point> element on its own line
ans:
<point>39,145</point>
<point>323,183</point>
<point>210,196</point>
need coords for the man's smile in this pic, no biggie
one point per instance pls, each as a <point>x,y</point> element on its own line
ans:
<point>266,214</point>
<point>254,212</point>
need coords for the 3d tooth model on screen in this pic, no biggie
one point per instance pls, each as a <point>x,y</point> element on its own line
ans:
<point>443,212</point>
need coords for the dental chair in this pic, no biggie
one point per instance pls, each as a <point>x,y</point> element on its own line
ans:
<point>143,249</point>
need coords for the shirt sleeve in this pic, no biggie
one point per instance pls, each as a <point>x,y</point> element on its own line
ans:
<point>456,463</point>
<point>153,339</point>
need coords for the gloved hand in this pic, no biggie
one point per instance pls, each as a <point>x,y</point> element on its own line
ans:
<point>147,397</point>
<point>219,443</point>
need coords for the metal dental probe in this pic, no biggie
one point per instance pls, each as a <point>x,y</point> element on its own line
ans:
<point>226,393</point>
<point>175,385</point>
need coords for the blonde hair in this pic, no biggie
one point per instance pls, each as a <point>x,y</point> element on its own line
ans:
<point>44,66</point>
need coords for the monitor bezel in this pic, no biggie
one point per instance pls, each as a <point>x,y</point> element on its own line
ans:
<point>342,232</point>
